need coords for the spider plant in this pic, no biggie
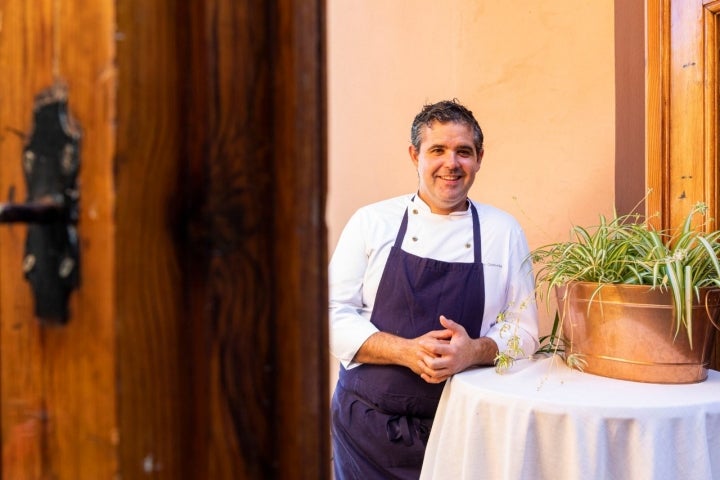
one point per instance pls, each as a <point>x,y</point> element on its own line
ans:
<point>627,250</point>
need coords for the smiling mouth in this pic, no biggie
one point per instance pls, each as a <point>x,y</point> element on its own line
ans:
<point>450,178</point>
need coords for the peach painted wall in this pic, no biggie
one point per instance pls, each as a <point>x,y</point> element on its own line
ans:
<point>538,74</point>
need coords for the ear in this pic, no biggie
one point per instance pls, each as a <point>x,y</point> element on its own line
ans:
<point>413,155</point>
<point>479,159</point>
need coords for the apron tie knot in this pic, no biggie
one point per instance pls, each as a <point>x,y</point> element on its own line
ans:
<point>398,428</point>
<point>405,427</point>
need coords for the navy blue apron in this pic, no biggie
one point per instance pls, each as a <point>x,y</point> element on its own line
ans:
<point>382,414</point>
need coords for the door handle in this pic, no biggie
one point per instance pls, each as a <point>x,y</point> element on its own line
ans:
<point>47,210</point>
<point>51,163</point>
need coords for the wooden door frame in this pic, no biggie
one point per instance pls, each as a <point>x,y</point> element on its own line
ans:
<point>681,108</point>
<point>197,345</point>
<point>255,175</point>
<point>682,112</point>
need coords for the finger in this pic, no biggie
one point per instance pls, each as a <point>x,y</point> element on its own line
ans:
<point>451,325</point>
<point>434,379</point>
<point>434,346</point>
<point>435,365</point>
<point>427,363</point>
<point>438,349</point>
<point>440,334</point>
<point>447,323</point>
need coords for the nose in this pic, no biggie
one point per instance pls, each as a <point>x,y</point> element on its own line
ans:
<point>452,160</point>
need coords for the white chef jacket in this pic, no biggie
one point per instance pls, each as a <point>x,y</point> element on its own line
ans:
<point>364,246</point>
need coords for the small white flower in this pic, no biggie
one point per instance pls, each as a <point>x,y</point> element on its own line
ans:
<point>679,255</point>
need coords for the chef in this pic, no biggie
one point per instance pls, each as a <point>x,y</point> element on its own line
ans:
<point>422,286</point>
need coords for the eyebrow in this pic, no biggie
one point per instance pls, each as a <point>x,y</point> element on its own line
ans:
<point>459,147</point>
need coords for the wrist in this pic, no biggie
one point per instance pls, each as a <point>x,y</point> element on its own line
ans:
<point>485,351</point>
<point>384,349</point>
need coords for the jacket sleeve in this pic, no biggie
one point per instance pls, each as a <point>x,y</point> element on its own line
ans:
<point>349,318</point>
<point>519,317</point>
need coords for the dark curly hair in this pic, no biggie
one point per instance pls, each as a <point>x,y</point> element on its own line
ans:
<point>444,112</point>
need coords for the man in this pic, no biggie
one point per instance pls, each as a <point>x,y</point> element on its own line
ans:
<point>417,286</point>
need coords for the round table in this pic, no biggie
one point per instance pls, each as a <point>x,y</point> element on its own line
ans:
<point>542,420</point>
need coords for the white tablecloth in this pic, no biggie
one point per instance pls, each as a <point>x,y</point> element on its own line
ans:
<point>542,420</point>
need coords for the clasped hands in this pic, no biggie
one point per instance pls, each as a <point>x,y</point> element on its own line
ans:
<point>443,353</point>
<point>434,356</point>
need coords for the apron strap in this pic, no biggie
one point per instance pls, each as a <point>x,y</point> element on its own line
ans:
<point>476,234</point>
<point>401,232</point>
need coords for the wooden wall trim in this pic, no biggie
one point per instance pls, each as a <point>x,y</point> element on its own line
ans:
<point>657,122</point>
<point>711,24</point>
<point>682,116</point>
<point>681,108</point>
<point>629,107</point>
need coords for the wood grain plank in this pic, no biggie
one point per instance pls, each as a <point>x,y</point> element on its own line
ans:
<point>25,415</point>
<point>261,405</point>
<point>79,371</point>
<point>153,381</point>
<point>656,115</point>
<point>301,258</point>
<point>686,109</point>
<point>241,408</point>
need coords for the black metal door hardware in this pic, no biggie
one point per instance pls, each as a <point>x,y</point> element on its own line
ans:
<point>50,161</point>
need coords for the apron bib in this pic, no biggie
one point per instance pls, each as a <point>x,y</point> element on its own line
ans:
<point>382,414</point>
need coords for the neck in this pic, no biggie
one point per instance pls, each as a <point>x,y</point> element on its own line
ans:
<point>461,207</point>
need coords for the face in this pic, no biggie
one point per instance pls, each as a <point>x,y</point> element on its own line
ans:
<point>446,163</point>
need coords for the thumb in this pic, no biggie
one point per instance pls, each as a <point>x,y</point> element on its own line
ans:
<point>449,324</point>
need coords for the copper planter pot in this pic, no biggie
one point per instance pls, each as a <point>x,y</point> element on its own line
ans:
<point>628,332</point>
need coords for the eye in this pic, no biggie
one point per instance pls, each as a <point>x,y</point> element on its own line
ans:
<point>465,153</point>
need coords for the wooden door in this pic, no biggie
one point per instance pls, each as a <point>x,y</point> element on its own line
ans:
<point>682,110</point>
<point>58,403</point>
<point>196,342</point>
